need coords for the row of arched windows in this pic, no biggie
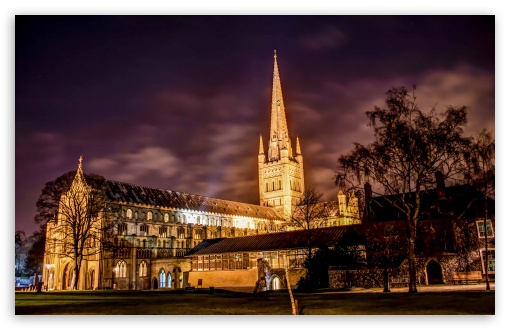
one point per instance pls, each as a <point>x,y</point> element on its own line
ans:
<point>156,216</point>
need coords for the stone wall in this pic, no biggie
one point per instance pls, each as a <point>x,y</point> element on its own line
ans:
<point>399,276</point>
<point>224,278</point>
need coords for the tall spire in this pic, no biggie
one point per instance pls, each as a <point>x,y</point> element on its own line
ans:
<point>279,134</point>
<point>261,146</point>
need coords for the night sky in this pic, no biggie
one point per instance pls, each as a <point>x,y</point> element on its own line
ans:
<point>179,102</point>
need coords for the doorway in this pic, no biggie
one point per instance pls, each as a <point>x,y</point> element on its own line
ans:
<point>276,283</point>
<point>434,272</point>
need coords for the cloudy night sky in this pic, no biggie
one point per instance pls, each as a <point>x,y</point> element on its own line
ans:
<point>179,102</point>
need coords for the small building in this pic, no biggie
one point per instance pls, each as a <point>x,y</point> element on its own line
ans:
<point>259,263</point>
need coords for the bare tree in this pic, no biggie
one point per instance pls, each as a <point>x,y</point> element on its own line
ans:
<point>78,216</point>
<point>410,147</point>
<point>310,213</point>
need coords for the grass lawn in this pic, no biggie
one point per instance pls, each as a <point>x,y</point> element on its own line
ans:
<point>268,303</point>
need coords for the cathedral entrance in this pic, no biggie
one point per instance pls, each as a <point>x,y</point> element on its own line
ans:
<point>434,273</point>
<point>276,284</point>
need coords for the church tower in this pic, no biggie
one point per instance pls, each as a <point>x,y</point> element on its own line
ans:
<point>281,176</point>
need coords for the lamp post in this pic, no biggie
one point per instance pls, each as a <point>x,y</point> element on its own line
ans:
<point>487,285</point>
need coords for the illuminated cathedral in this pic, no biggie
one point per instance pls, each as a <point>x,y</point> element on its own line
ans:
<point>156,229</point>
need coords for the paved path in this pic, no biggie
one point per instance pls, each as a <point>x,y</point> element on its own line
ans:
<point>426,288</point>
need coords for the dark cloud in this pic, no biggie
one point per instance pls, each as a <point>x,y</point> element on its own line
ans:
<point>179,102</point>
<point>326,38</point>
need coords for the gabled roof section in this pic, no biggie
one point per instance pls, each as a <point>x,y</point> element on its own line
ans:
<point>298,239</point>
<point>459,199</point>
<point>131,193</point>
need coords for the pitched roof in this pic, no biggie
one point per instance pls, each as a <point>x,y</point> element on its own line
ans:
<point>459,199</point>
<point>280,241</point>
<point>132,193</point>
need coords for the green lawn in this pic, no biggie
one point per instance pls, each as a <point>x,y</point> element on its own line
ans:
<point>268,303</point>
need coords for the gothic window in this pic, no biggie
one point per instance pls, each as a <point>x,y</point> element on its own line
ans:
<point>180,232</point>
<point>142,270</point>
<point>162,278</point>
<point>198,234</point>
<point>136,215</point>
<point>120,270</point>
<point>122,229</point>
<point>162,231</point>
<point>198,220</point>
<point>167,217</point>
<point>149,215</point>
<point>183,218</point>
<point>129,214</point>
<point>144,230</point>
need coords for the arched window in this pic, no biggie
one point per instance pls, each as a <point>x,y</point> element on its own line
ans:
<point>136,215</point>
<point>183,218</point>
<point>169,279</point>
<point>120,269</point>
<point>198,220</point>
<point>162,278</point>
<point>144,230</point>
<point>198,234</point>
<point>142,270</point>
<point>149,215</point>
<point>129,214</point>
<point>180,232</point>
<point>167,217</point>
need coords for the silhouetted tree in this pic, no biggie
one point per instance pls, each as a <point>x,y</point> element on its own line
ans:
<point>310,213</point>
<point>80,217</point>
<point>19,242</point>
<point>410,146</point>
<point>35,255</point>
<point>343,254</point>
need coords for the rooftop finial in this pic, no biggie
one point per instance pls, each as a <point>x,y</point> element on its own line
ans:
<point>79,161</point>
<point>275,53</point>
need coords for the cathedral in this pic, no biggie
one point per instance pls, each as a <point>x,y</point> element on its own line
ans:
<point>156,234</point>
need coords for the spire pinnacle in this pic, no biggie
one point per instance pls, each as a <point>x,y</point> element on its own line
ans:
<point>298,146</point>
<point>79,163</point>
<point>279,133</point>
<point>261,146</point>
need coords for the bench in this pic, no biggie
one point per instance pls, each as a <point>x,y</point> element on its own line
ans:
<point>471,276</point>
<point>399,282</point>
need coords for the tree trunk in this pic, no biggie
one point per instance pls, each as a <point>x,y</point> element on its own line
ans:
<point>386,280</point>
<point>412,266</point>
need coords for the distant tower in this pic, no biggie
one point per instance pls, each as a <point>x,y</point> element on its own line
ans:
<point>281,176</point>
